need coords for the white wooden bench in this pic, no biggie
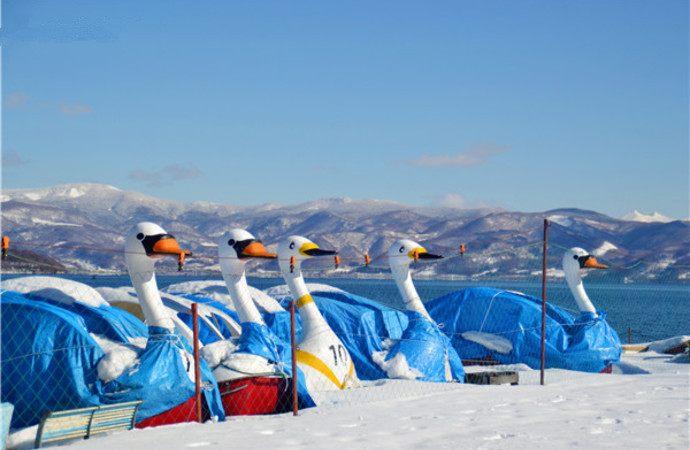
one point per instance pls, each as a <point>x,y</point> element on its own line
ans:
<point>83,423</point>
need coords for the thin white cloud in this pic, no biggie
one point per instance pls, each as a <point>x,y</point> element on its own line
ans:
<point>12,159</point>
<point>459,201</point>
<point>74,109</point>
<point>15,99</point>
<point>166,175</point>
<point>474,156</point>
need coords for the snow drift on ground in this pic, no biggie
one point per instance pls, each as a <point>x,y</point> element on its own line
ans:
<point>573,410</point>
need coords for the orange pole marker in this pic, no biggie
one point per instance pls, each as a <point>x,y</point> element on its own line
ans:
<point>367,259</point>
<point>463,249</point>
<point>5,246</point>
<point>292,264</point>
<point>336,260</point>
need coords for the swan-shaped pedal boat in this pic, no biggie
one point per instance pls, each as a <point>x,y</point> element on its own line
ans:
<point>106,355</point>
<point>321,355</point>
<point>505,326</point>
<point>252,371</point>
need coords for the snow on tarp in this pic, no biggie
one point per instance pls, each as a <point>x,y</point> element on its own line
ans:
<point>61,290</point>
<point>100,318</point>
<point>365,327</point>
<point>491,341</point>
<point>50,361</point>
<point>118,357</point>
<point>217,290</point>
<point>215,321</point>
<point>427,351</point>
<point>585,343</point>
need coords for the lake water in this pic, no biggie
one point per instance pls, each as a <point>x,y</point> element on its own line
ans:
<point>651,311</point>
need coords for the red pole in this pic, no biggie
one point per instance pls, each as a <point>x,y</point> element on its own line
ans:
<point>542,364</point>
<point>197,365</point>
<point>293,346</point>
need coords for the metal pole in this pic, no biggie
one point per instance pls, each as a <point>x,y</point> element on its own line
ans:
<point>293,347</point>
<point>629,336</point>
<point>197,364</point>
<point>542,364</point>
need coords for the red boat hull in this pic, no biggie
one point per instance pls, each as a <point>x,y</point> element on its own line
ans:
<point>184,412</point>
<point>255,395</point>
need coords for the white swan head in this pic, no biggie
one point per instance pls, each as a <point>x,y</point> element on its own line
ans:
<point>404,251</point>
<point>295,249</point>
<point>147,242</point>
<point>577,258</point>
<point>574,260</point>
<point>237,247</point>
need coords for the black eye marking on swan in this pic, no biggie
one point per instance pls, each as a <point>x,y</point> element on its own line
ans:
<point>231,242</point>
<point>402,249</point>
<point>292,245</point>
<point>140,236</point>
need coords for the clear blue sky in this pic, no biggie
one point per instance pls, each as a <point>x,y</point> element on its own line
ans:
<point>527,105</point>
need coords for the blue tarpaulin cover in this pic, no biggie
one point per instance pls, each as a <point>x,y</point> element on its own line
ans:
<point>49,362</point>
<point>364,326</point>
<point>113,323</point>
<point>163,378</point>
<point>585,343</point>
<point>427,351</point>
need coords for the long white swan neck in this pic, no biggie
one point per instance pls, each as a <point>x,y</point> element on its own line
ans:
<point>403,279</point>
<point>312,320</point>
<point>574,280</point>
<point>144,282</point>
<point>241,297</point>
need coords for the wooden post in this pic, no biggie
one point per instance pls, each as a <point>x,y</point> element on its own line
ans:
<point>293,347</point>
<point>542,362</point>
<point>197,363</point>
<point>629,336</point>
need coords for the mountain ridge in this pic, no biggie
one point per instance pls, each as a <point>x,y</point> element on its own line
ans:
<point>82,225</point>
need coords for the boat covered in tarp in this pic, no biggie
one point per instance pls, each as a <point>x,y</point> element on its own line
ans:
<point>52,361</point>
<point>377,336</point>
<point>505,326</point>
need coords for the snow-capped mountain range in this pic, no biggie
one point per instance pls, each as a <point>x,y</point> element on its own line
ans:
<point>81,226</point>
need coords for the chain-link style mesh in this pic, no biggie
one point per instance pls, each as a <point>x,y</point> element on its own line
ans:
<point>497,329</point>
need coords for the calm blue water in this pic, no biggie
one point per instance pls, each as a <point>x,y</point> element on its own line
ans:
<point>651,311</point>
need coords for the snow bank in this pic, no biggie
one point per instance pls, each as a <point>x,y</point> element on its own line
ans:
<point>573,410</point>
<point>56,289</point>
<point>666,345</point>
<point>491,341</point>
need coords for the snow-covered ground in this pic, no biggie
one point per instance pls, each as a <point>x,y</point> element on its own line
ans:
<point>646,410</point>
